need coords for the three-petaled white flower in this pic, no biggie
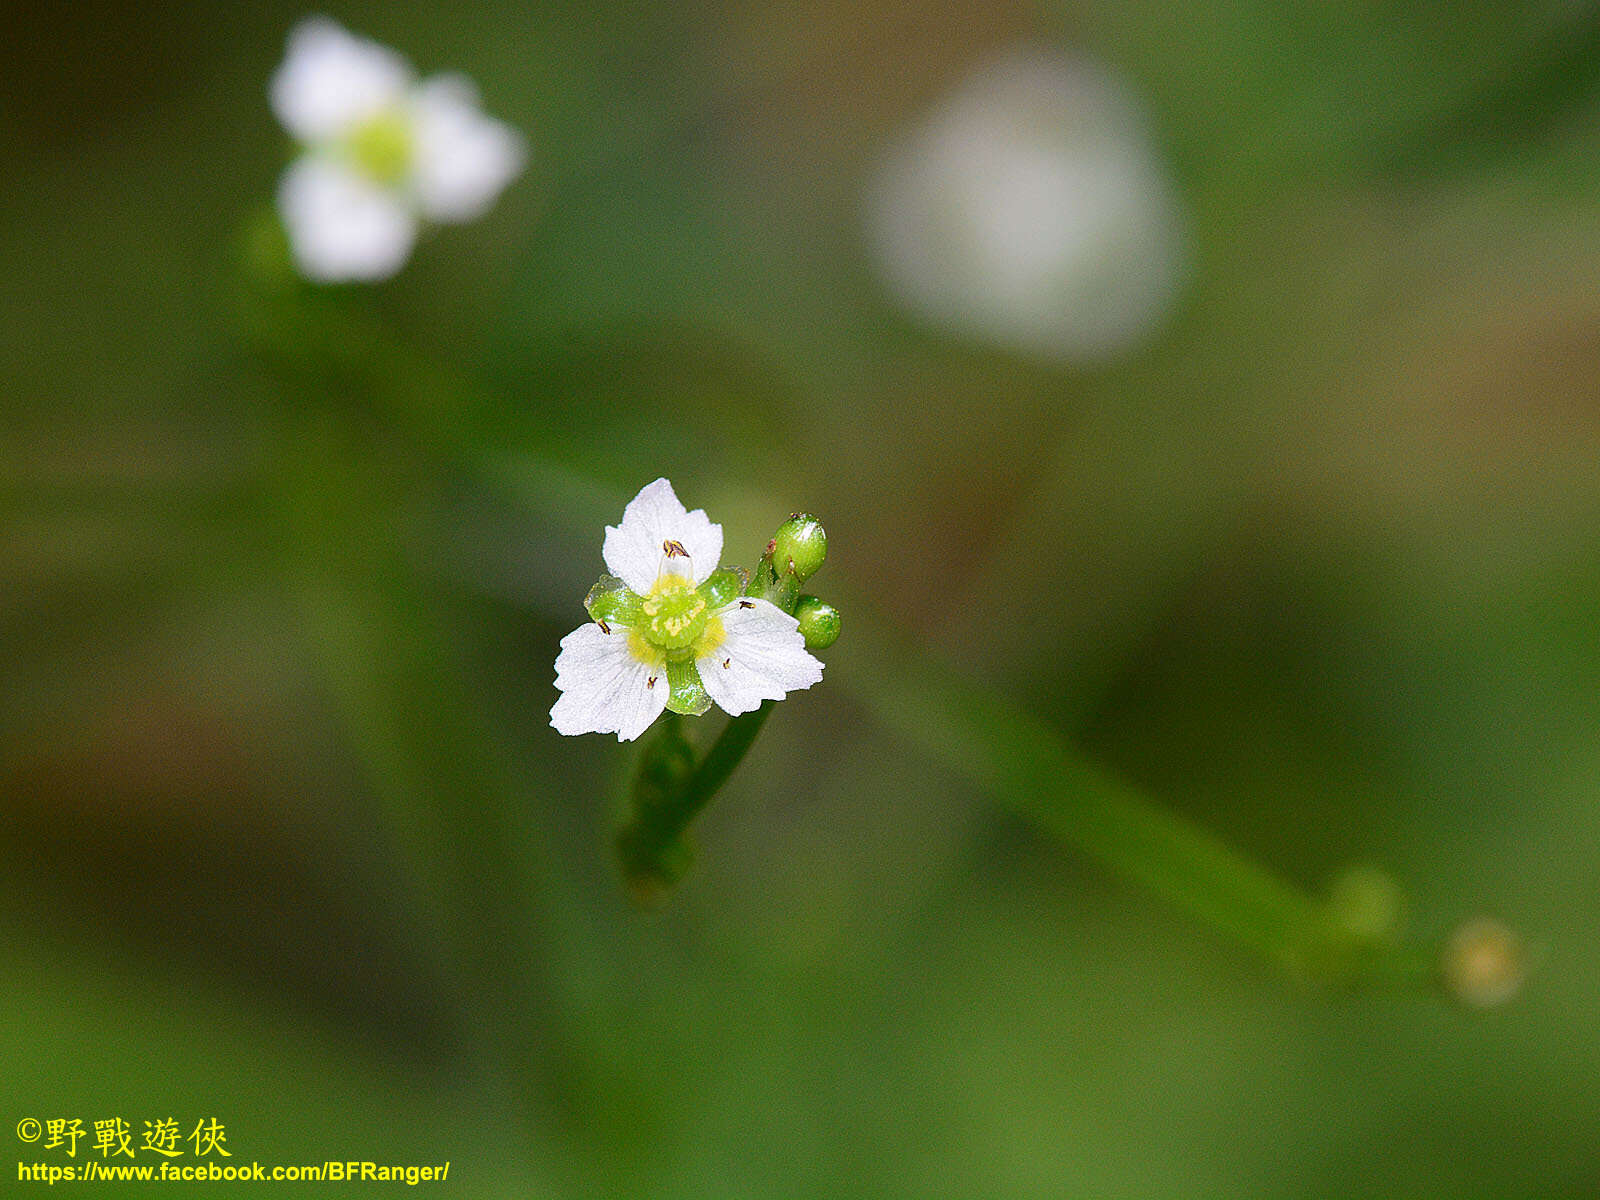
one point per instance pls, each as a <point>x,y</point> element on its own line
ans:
<point>670,630</point>
<point>382,151</point>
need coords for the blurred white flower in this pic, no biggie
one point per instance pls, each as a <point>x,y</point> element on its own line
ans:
<point>674,632</point>
<point>1030,209</point>
<point>382,152</point>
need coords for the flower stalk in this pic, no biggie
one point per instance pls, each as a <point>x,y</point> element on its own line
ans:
<point>671,786</point>
<point>653,848</point>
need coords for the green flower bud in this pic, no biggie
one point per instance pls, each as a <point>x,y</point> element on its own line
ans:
<point>819,622</point>
<point>799,545</point>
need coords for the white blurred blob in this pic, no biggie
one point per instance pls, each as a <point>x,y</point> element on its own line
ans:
<point>1030,208</point>
<point>331,80</point>
<point>341,225</point>
<point>381,151</point>
<point>463,159</point>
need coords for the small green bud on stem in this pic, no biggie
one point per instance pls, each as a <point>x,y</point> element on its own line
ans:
<point>819,622</point>
<point>800,545</point>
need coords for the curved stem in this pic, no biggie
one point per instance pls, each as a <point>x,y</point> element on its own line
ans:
<point>725,754</point>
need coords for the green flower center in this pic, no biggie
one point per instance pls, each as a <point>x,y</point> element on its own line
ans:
<point>670,628</point>
<point>675,614</point>
<point>382,147</point>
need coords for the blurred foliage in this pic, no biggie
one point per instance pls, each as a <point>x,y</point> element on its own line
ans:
<point>290,843</point>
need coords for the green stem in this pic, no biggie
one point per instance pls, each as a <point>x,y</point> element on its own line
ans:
<point>725,754</point>
<point>1025,765</point>
<point>652,846</point>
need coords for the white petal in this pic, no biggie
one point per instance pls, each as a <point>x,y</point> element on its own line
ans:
<point>463,159</point>
<point>604,689</point>
<point>763,657</point>
<point>342,226</point>
<point>633,550</point>
<point>331,80</point>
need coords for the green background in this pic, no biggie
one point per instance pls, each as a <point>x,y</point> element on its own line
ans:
<point>288,841</point>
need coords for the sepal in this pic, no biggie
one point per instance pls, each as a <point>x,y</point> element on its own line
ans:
<point>688,695</point>
<point>800,545</point>
<point>611,601</point>
<point>721,588</point>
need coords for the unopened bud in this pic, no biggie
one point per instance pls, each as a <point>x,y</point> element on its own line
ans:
<point>799,545</point>
<point>819,622</point>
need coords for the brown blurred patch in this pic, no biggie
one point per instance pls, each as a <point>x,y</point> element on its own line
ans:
<point>814,83</point>
<point>156,817</point>
<point>1480,399</point>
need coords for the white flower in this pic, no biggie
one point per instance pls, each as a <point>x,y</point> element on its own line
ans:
<point>381,153</point>
<point>671,630</point>
<point>1031,209</point>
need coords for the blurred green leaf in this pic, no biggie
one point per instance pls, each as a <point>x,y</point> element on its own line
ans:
<point>452,794</point>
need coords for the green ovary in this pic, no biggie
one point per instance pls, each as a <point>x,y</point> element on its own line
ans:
<point>382,147</point>
<point>675,614</point>
<point>674,626</point>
